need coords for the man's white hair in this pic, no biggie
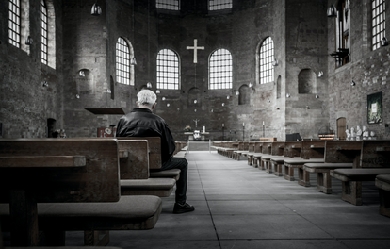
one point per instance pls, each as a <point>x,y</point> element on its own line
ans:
<point>146,97</point>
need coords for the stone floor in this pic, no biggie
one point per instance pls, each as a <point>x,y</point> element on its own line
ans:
<point>238,206</point>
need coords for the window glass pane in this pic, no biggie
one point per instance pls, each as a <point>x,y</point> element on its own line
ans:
<point>220,4</point>
<point>167,70</point>
<point>378,22</point>
<point>14,22</point>
<point>220,70</point>
<point>168,4</point>
<point>122,62</point>
<point>266,60</point>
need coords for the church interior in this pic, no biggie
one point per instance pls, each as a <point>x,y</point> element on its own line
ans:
<point>222,70</point>
<point>263,68</point>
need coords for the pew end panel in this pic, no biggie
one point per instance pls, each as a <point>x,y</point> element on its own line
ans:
<point>135,165</point>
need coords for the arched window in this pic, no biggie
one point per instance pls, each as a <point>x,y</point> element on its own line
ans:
<point>378,22</point>
<point>14,22</point>
<point>220,4</point>
<point>124,71</point>
<point>168,4</point>
<point>168,70</point>
<point>221,70</point>
<point>44,32</point>
<point>266,58</point>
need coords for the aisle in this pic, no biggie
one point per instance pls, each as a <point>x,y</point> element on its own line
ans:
<point>238,206</point>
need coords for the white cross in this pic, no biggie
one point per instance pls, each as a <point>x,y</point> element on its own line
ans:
<point>195,48</point>
<point>196,122</point>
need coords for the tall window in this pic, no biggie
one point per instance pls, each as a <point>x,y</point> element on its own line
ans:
<point>167,70</point>
<point>220,4</point>
<point>14,22</point>
<point>378,22</point>
<point>122,62</point>
<point>168,4</point>
<point>220,70</point>
<point>44,40</point>
<point>342,24</point>
<point>266,61</point>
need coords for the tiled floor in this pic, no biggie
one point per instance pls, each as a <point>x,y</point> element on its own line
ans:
<point>238,206</point>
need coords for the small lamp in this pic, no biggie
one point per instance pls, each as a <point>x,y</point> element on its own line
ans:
<point>28,41</point>
<point>133,61</point>
<point>384,42</point>
<point>275,62</point>
<point>96,10</point>
<point>332,12</point>
<point>148,85</point>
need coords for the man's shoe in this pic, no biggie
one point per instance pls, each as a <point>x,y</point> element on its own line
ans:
<point>182,208</point>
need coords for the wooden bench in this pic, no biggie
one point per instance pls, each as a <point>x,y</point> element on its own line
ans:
<point>134,163</point>
<point>242,148</point>
<point>291,149</point>
<point>277,152</point>
<point>76,183</point>
<point>311,152</point>
<point>225,148</point>
<point>374,160</point>
<point>253,158</point>
<point>338,154</point>
<point>382,181</point>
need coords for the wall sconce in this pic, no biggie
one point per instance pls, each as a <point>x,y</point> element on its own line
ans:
<point>157,91</point>
<point>384,42</point>
<point>237,93</point>
<point>353,83</point>
<point>320,73</point>
<point>195,110</point>
<point>250,84</point>
<point>45,84</point>
<point>77,96</point>
<point>228,97</point>
<point>149,85</point>
<point>83,72</point>
<point>317,96</point>
<point>223,104</point>
<point>96,10</point>
<point>168,105</point>
<point>133,61</point>
<point>195,101</point>
<point>163,98</point>
<point>287,95</point>
<point>275,62</point>
<point>332,11</point>
<point>28,41</point>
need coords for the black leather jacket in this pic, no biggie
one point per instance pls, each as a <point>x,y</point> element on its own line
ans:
<point>142,122</point>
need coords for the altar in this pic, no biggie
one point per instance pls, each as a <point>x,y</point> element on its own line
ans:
<point>195,136</point>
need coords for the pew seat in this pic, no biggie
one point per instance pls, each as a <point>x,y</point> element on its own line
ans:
<point>277,163</point>
<point>296,162</point>
<point>382,181</point>
<point>351,181</point>
<point>171,173</point>
<point>324,180</point>
<point>129,213</point>
<point>161,187</point>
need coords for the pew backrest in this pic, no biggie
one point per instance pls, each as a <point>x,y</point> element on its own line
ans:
<point>343,152</point>
<point>292,148</point>
<point>134,159</point>
<point>313,149</point>
<point>277,148</point>
<point>375,154</point>
<point>154,143</point>
<point>93,177</point>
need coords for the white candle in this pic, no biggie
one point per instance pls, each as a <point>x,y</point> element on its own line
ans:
<point>263,122</point>
<point>204,128</point>
<point>243,124</point>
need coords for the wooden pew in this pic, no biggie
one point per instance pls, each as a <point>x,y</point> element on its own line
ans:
<point>277,152</point>
<point>383,183</point>
<point>76,183</point>
<point>374,160</point>
<point>308,153</point>
<point>338,154</point>
<point>242,148</point>
<point>257,153</point>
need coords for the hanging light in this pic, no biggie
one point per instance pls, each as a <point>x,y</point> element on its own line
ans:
<point>384,42</point>
<point>168,105</point>
<point>195,101</point>
<point>45,84</point>
<point>29,40</point>
<point>133,61</point>
<point>149,85</point>
<point>96,10</point>
<point>332,11</point>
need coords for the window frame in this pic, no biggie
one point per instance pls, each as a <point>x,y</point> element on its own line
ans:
<point>266,59</point>
<point>215,74</point>
<point>44,32</point>
<point>168,79</point>
<point>123,69</point>
<point>15,22</point>
<point>378,19</point>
